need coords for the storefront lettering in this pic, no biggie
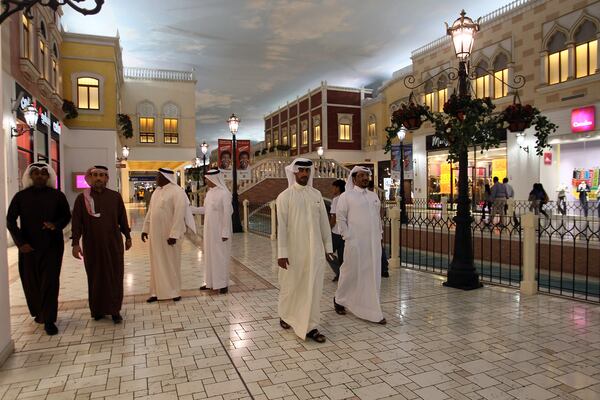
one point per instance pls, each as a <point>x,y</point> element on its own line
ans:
<point>44,117</point>
<point>25,101</point>
<point>56,127</point>
<point>435,143</point>
<point>583,119</point>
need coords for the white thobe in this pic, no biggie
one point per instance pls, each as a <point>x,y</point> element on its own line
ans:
<point>217,212</point>
<point>303,238</point>
<point>358,219</point>
<point>166,219</point>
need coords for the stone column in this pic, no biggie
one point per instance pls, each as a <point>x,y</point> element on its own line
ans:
<point>394,261</point>
<point>245,204</point>
<point>544,67</point>
<point>273,220</point>
<point>571,52</point>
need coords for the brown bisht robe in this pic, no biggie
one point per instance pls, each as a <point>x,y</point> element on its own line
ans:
<point>102,249</point>
<point>40,269</point>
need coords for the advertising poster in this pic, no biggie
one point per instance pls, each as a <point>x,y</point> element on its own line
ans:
<point>408,162</point>
<point>499,168</point>
<point>225,161</point>
<point>225,154</point>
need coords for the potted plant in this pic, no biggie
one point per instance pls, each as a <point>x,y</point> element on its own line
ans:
<point>125,126</point>
<point>69,109</point>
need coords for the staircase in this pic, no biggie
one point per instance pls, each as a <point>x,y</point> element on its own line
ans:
<point>274,168</point>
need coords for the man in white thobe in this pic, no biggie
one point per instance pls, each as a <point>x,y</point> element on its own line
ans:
<point>303,240</point>
<point>217,212</point>
<point>359,222</point>
<point>165,225</point>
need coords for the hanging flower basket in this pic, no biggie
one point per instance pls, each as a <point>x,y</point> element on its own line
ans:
<point>410,116</point>
<point>519,117</point>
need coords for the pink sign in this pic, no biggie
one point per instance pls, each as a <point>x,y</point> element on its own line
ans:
<point>583,119</point>
<point>80,182</point>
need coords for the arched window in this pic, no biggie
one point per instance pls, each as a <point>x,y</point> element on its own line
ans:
<point>88,93</point>
<point>26,37</point>
<point>442,93</point>
<point>482,82</point>
<point>345,127</point>
<point>429,95</point>
<point>54,75</point>
<point>558,58</point>
<point>294,134</point>
<point>586,49</point>
<point>316,129</point>
<point>170,124</point>
<point>500,76</point>
<point>146,111</point>
<point>43,50</point>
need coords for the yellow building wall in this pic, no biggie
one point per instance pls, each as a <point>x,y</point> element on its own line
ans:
<point>98,59</point>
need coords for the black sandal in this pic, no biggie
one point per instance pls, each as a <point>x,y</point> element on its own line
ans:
<point>382,322</point>
<point>316,336</point>
<point>284,324</point>
<point>341,310</point>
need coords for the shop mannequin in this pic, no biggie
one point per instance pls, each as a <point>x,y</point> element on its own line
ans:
<point>562,195</point>
<point>583,190</point>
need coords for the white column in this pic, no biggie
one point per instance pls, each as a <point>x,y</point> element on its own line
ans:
<point>511,78</point>
<point>6,342</point>
<point>273,220</point>
<point>571,49</point>
<point>394,261</point>
<point>529,223</point>
<point>245,204</point>
<point>544,67</point>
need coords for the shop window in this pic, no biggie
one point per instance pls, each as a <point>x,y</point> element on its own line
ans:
<point>586,50</point>
<point>482,81</point>
<point>500,76</point>
<point>24,154</point>
<point>55,159</point>
<point>26,52</point>
<point>88,93</point>
<point>344,127</point>
<point>317,133</point>
<point>147,130</point>
<point>558,59</point>
<point>170,130</point>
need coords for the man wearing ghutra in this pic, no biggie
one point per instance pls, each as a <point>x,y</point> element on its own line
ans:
<point>302,243</point>
<point>165,224</point>
<point>99,217</point>
<point>43,213</point>
<point>359,222</point>
<point>217,212</point>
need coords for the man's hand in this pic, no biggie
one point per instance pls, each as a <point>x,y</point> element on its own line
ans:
<point>283,263</point>
<point>127,244</point>
<point>49,225</point>
<point>77,252</point>
<point>26,248</point>
<point>224,239</point>
<point>171,241</point>
<point>144,236</point>
<point>329,256</point>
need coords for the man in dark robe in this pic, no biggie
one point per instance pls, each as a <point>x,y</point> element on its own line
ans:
<point>99,217</point>
<point>43,213</point>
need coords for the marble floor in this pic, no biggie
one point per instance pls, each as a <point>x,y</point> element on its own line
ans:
<point>439,343</point>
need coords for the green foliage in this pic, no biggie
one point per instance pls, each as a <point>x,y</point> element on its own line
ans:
<point>125,126</point>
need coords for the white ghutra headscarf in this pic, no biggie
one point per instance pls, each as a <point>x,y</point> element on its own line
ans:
<point>87,193</point>
<point>169,174</point>
<point>294,167</point>
<point>349,181</point>
<point>216,177</point>
<point>28,182</point>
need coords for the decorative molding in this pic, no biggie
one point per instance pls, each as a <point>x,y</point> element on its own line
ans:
<point>170,110</point>
<point>146,109</point>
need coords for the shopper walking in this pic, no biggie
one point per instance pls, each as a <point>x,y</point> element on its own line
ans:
<point>339,187</point>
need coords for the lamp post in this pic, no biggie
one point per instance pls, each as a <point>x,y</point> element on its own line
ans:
<point>403,216</point>
<point>204,149</point>
<point>234,124</point>
<point>9,7</point>
<point>125,153</point>
<point>461,272</point>
<point>30,113</point>
<point>320,152</point>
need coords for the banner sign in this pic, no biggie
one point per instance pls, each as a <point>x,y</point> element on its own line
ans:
<point>408,161</point>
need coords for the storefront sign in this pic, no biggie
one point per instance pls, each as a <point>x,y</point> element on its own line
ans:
<point>583,119</point>
<point>499,168</point>
<point>26,100</point>
<point>433,143</point>
<point>56,125</point>
<point>408,161</point>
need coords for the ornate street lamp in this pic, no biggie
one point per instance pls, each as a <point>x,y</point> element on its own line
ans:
<point>234,124</point>
<point>125,152</point>
<point>31,116</point>
<point>320,152</point>
<point>403,216</point>
<point>9,7</point>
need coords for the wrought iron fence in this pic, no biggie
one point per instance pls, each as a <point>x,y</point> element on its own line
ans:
<point>259,218</point>
<point>589,209</point>
<point>568,258</point>
<point>427,243</point>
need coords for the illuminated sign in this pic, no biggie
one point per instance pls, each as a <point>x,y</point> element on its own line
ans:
<point>80,182</point>
<point>583,119</point>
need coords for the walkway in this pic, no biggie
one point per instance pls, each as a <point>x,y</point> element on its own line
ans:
<point>439,343</point>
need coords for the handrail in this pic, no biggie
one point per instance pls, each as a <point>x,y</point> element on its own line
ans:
<point>150,74</point>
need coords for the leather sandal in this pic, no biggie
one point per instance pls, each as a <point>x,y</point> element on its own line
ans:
<point>382,322</point>
<point>316,336</point>
<point>284,324</point>
<point>341,310</point>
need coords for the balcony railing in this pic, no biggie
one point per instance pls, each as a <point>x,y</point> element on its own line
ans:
<point>150,74</point>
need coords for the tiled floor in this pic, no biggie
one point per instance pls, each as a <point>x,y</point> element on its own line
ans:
<point>439,343</point>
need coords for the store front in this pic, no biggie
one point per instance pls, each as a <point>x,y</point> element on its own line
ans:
<point>39,144</point>
<point>442,176</point>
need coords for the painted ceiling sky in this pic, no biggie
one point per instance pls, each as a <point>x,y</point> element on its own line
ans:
<point>251,56</point>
